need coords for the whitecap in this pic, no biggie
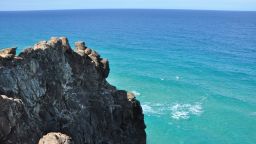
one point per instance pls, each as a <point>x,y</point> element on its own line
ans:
<point>195,109</point>
<point>177,77</point>
<point>184,111</point>
<point>180,115</point>
<point>178,111</point>
<point>152,108</point>
<point>147,109</point>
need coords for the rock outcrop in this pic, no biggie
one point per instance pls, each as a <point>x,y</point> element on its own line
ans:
<point>51,90</point>
<point>8,53</point>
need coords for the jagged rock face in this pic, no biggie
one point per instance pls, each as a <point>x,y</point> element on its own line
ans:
<point>51,88</point>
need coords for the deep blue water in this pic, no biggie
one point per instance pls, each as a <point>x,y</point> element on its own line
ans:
<point>193,71</point>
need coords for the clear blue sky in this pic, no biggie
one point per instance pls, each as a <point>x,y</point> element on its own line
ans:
<point>6,5</point>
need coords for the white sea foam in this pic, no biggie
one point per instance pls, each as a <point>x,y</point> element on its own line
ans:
<point>178,111</point>
<point>184,111</point>
<point>153,108</point>
<point>177,77</point>
<point>147,109</point>
<point>158,104</point>
<point>136,93</point>
<point>253,113</point>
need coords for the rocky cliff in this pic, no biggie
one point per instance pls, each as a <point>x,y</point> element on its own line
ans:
<point>62,96</point>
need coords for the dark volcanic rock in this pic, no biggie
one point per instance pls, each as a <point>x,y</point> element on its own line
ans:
<point>51,88</point>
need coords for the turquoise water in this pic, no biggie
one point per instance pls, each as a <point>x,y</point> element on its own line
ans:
<point>193,71</point>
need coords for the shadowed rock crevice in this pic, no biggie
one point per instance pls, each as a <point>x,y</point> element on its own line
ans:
<point>51,88</point>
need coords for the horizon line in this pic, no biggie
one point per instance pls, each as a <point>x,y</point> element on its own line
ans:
<point>127,9</point>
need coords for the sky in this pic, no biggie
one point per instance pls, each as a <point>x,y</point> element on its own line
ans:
<point>241,5</point>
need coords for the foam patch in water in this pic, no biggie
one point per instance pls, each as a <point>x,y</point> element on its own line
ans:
<point>253,113</point>
<point>178,111</point>
<point>148,109</point>
<point>184,111</point>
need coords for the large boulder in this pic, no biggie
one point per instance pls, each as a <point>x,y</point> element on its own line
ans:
<point>55,138</point>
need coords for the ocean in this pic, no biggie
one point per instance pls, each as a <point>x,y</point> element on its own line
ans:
<point>194,72</point>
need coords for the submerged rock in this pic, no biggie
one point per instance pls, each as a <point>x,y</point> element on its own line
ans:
<point>51,88</point>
